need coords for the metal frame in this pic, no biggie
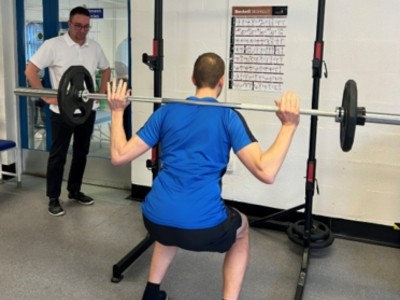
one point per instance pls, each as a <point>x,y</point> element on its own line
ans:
<point>156,64</point>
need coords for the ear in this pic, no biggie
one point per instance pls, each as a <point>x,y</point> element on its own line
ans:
<point>194,80</point>
<point>221,81</point>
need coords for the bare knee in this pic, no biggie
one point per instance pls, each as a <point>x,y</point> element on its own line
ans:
<point>243,230</point>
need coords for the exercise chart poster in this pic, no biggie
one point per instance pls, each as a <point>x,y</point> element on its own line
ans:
<point>257,48</point>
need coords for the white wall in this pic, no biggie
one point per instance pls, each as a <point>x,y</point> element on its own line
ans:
<point>361,43</point>
<point>8,75</point>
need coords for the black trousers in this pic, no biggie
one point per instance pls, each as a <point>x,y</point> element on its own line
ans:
<point>61,139</point>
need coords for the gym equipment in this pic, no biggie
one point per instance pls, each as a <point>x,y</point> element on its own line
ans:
<point>74,109</point>
<point>75,99</point>
<point>320,234</point>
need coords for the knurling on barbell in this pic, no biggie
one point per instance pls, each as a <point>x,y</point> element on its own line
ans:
<point>75,99</point>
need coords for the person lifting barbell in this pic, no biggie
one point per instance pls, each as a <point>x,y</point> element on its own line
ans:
<point>184,208</point>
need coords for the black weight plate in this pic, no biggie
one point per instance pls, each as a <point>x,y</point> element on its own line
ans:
<point>294,236</point>
<point>314,241</point>
<point>349,119</point>
<point>319,230</point>
<point>73,109</point>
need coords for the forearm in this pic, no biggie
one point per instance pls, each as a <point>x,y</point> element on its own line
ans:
<point>118,136</point>
<point>35,81</point>
<point>105,77</point>
<point>122,150</point>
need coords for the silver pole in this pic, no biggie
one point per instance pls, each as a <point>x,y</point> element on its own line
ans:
<point>50,93</point>
<point>257,107</point>
<point>85,95</point>
<point>381,118</point>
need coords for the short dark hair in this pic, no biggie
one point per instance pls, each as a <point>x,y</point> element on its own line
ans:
<point>79,10</point>
<point>208,70</point>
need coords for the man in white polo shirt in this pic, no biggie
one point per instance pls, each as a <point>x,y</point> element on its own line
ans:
<point>58,54</point>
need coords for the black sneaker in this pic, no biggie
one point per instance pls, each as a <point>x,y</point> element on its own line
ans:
<point>55,208</point>
<point>149,296</point>
<point>81,197</point>
<point>163,295</point>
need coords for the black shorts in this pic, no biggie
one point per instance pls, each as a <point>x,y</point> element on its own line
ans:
<point>219,238</point>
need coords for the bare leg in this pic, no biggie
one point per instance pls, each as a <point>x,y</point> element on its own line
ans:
<point>160,261</point>
<point>235,262</point>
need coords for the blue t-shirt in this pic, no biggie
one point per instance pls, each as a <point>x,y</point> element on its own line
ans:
<point>195,142</point>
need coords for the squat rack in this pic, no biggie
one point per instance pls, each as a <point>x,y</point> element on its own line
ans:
<point>308,225</point>
<point>156,63</point>
<point>309,233</point>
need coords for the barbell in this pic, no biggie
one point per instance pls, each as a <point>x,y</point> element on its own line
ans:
<point>76,95</point>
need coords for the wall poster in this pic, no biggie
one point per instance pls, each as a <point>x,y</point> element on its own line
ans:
<point>257,48</point>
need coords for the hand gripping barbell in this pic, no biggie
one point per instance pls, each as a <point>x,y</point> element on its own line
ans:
<point>76,93</point>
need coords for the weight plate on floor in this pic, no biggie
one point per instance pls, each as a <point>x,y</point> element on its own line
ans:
<point>319,230</point>
<point>320,236</point>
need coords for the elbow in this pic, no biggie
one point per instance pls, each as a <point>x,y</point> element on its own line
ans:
<point>116,161</point>
<point>27,75</point>
<point>29,71</point>
<point>270,180</point>
<point>267,178</point>
<point>265,175</point>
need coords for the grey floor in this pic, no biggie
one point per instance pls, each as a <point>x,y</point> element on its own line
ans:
<point>71,257</point>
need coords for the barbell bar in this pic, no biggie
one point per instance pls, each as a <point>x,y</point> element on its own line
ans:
<point>76,92</point>
<point>370,117</point>
<point>85,95</point>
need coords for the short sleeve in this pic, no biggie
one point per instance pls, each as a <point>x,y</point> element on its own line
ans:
<point>150,132</point>
<point>240,133</point>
